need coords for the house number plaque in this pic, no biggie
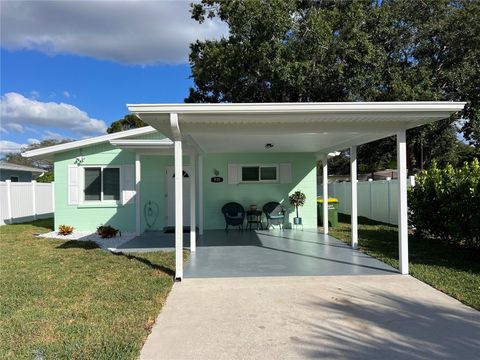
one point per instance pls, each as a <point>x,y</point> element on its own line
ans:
<point>216,179</point>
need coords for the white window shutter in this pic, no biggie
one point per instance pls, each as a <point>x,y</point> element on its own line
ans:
<point>233,174</point>
<point>285,171</point>
<point>73,184</point>
<point>128,184</point>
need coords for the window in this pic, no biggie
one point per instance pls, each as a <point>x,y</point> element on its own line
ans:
<point>14,178</point>
<point>259,173</point>
<point>101,184</point>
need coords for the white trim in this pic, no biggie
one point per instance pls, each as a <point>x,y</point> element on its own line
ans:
<point>82,200</point>
<point>200,195</point>
<point>87,142</point>
<point>259,181</point>
<point>316,107</point>
<point>325,195</point>
<point>193,235</point>
<point>354,198</point>
<point>138,179</point>
<point>178,211</point>
<point>143,144</point>
<point>402,202</point>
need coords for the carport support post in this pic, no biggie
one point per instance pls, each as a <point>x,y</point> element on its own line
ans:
<point>177,145</point>
<point>193,235</point>
<point>325,194</point>
<point>137,194</point>
<point>353,176</point>
<point>402,202</point>
<point>200,195</point>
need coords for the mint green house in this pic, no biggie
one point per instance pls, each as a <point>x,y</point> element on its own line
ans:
<point>251,154</point>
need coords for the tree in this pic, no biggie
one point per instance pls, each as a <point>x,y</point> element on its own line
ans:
<point>17,158</point>
<point>365,50</point>
<point>127,123</point>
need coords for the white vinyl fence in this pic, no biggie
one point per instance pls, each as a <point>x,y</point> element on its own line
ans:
<point>377,200</point>
<point>25,201</point>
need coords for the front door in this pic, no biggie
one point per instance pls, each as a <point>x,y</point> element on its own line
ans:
<point>170,196</point>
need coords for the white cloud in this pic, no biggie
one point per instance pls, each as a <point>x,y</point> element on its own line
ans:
<point>33,141</point>
<point>131,32</point>
<point>66,94</point>
<point>17,110</point>
<point>52,135</point>
<point>7,146</point>
<point>13,127</point>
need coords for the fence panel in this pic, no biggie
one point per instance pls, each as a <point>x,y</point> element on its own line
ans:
<point>377,200</point>
<point>25,201</point>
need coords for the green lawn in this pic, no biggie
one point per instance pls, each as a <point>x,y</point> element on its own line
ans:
<point>451,269</point>
<point>71,300</point>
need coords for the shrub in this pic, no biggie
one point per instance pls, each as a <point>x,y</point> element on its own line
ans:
<point>107,231</point>
<point>445,204</point>
<point>65,229</point>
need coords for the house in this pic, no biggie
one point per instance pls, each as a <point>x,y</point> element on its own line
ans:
<point>247,153</point>
<point>18,173</point>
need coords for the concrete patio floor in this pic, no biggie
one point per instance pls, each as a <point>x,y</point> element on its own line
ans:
<point>264,253</point>
<point>327,317</point>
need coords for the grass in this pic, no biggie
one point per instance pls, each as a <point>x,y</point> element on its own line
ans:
<point>71,300</point>
<point>448,268</point>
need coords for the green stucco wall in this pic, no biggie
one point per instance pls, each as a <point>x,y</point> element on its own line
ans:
<point>153,188</point>
<point>217,194</point>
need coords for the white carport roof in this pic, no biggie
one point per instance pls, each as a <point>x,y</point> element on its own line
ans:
<point>290,127</point>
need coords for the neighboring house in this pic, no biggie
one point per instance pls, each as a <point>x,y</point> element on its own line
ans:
<point>247,153</point>
<point>18,173</point>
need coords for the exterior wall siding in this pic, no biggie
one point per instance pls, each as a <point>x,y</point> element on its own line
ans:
<point>153,188</point>
<point>88,217</point>
<point>217,194</point>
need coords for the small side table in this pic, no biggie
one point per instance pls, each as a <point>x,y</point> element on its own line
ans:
<point>254,217</point>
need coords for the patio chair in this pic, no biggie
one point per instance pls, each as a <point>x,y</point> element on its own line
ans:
<point>234,214</point>
<point>275,214</point>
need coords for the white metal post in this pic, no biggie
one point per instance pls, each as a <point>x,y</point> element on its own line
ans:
<point>354,198</point>
<point>178,210</point>
<point>402,202</point>
<point>9,200</point>
<point>34,200</point>
<point>138,203</point>
<point>200,195</point>
<point>193,235</point>
<point>325,194</point>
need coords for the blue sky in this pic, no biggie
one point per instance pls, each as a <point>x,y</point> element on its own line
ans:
<point>68,70</point>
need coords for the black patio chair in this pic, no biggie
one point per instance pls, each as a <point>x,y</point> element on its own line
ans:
<point>234,214</point>
<point>275,214</point>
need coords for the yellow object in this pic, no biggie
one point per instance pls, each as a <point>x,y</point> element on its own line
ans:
<point>330,200</point>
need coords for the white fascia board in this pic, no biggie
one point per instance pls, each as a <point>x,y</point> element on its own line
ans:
<point>142,144</point>
<point>335,107</point>
<point>87,142</point>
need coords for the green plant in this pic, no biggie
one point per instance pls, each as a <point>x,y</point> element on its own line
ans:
<point>445,204</point>
<point>65,229</point>
<point>107,231</point>
<point>297,199</point>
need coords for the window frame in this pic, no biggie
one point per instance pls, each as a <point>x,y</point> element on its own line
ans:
<point>260,166</point>
<point>102,200</point>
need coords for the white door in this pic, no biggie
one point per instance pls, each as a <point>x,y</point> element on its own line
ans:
<point>170,196</point>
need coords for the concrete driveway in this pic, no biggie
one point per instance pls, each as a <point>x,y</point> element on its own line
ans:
<point>328,317</point>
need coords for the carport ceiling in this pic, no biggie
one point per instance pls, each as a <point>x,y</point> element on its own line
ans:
<point>290,127</point>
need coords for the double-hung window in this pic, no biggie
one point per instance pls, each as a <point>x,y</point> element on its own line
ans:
<point>267,173</point>
<point>101,184</point>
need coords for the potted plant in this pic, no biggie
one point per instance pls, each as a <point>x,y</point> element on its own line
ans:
<point>297,199</point>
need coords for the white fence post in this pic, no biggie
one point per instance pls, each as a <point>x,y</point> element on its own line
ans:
<point>34,202</point>
<point>9,201</point>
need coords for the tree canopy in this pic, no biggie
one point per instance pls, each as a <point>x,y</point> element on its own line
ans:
<point>128,122</point>
<point>362,50</point>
